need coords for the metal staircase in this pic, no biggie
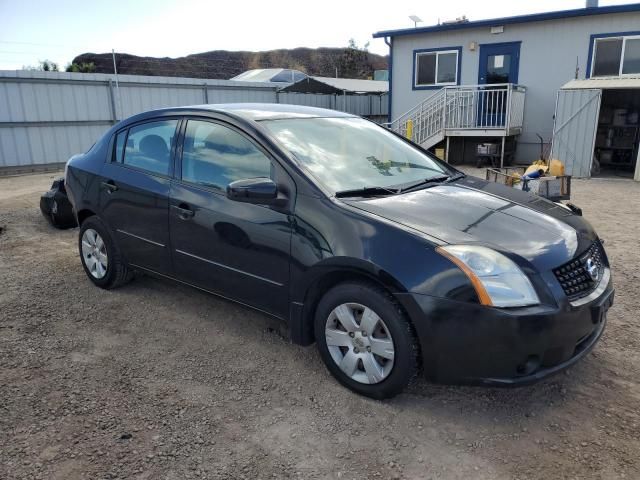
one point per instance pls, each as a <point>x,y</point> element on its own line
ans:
<point>467,110</point>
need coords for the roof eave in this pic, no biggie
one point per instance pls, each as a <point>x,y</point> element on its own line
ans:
<point>535,17</point>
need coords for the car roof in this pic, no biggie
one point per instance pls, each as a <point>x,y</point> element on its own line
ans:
<point>263,111</point>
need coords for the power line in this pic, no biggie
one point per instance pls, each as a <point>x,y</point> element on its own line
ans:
<point>43,44</point>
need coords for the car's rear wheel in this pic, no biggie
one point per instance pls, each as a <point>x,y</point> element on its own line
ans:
<point>366,340</point>
<point>101,259</point>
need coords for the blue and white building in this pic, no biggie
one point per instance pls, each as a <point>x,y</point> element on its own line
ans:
<point>572,76</point>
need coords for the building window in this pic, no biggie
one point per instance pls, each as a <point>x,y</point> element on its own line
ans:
<point>616,56</point>
<point>436,67</point>
<point>631,63</point>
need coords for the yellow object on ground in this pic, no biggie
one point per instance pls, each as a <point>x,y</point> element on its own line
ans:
<point>440,153</point>
<point>410,129</point>
<point>513,179</point>
<point>556,168</point>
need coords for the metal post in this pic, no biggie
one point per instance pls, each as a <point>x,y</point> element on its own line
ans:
<point>115,72</point>
<point>205,90</point>
<point>502,152</point>
<point>446,151</point>
<point>114,117</point>
<point>507,123</point>
<point>443,117</point>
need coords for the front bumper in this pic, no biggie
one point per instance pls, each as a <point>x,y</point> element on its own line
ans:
<point>474,344</point>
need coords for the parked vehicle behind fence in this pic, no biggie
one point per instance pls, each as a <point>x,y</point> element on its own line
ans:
<point>392,261</point>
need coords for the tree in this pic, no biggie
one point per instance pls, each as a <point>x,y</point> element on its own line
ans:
<point>48,66</point>
<point>354,46</point>
<point>43,66</point>
<point>354,61</point>
<point>83,67</point>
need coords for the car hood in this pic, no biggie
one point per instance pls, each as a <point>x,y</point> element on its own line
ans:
<point>471,210</point>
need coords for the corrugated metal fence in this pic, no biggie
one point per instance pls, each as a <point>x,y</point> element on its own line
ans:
<point>45,117</point>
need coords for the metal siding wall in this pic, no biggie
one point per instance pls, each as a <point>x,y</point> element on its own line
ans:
<point>306,99</point>
<point>363,105</point>
<point>40,102</point>
<point>217,95</point>
<point>137,99</point>
<point>47,97</point>
<point>20,146</point>
<point>575,127</point>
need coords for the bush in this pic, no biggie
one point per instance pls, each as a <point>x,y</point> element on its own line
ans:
<point>81,67</point>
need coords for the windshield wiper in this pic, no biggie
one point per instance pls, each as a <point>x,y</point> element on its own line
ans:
<point>367,191</point>
<point>424,183</point>
<point>428,182</point>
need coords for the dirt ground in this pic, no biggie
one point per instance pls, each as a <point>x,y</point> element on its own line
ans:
<point>156,380</point>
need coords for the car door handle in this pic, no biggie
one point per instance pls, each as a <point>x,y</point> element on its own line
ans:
<point>110,186</point>
<point>184,212</point>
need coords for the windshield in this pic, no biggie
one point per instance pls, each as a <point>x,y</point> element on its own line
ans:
<point>353,153</point>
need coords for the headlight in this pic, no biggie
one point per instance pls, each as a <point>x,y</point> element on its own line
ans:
<point>497,280</point>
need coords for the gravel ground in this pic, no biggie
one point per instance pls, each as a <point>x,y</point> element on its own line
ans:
<point>156,380</point>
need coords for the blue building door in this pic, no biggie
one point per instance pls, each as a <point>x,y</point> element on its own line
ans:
<point>499,64</point>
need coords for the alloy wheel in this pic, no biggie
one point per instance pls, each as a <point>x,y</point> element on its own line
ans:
<point>94,253</point>
<point>360,343</point>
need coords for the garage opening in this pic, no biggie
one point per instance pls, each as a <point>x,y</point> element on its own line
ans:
<point>617,134</point>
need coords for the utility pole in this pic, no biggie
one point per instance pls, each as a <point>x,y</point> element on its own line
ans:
<point>115,72</point>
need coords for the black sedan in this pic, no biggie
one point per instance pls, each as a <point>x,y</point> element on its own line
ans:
<point>392,261</point>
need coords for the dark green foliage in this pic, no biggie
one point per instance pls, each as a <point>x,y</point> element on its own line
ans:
<point>84,67</point>
<point>43,66</point>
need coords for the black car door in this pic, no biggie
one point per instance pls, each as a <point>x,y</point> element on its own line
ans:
<point>238,250</point>
<point>134,196</point>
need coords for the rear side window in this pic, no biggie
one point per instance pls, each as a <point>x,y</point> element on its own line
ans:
<point>119,151</point>
<point>215,155</point>
<point>148,146</point>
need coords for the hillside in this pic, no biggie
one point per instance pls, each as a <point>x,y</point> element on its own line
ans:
<point>222,64</point>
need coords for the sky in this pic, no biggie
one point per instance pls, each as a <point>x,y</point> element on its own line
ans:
<point>59,30</point>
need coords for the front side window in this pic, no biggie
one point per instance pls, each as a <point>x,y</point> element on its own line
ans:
<point>148,146</point>
<point>616,56</point>
<point>436,68</point>
<point>215,155</point>
<point>352,153</point>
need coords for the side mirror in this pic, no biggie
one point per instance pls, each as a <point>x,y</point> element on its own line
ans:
<point>261,191</point>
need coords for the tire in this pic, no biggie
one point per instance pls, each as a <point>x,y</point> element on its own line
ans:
<point>393,330</point>
<point>111,273</point>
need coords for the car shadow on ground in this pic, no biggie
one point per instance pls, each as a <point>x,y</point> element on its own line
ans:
<point>487,402</point>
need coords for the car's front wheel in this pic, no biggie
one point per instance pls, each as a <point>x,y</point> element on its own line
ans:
<point>100,256</point>
<point>366,340</point>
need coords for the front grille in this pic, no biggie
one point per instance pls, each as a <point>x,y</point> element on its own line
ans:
<point>574,276</point>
